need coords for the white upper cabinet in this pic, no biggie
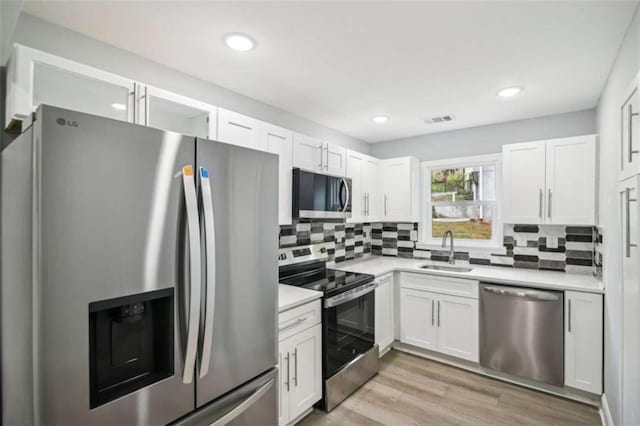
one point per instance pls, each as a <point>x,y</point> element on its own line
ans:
<point>238,129</point>
<point>168,111</point>
<point>335,159</point>
<point>35,78</point>
<point>550,182</point>
<point>280,141</point>
<point>630,131</point>
<point>523,182</point>
<point>583,341</point>
<point>364,172</point>
<point>571,180</point>
<point>400,190</point>
<point>318,156</point>
<point>307,153</point>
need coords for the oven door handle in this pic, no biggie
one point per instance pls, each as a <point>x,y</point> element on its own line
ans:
<point>350,295</point>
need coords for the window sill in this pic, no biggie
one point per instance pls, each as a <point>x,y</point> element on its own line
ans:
<point>494,249</point>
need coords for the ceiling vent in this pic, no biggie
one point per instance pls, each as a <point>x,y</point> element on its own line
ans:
<point>439,119</point>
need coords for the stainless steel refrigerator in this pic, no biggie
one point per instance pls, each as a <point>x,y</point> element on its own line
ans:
<point>139,276</point>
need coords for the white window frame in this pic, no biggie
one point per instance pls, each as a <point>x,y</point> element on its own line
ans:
<point>426,238</point>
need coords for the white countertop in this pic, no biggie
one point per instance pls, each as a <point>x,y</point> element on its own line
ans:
<point>291,296</point>
<point>379,265</point>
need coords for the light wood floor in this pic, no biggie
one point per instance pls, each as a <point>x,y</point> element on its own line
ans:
<point>410,390</point>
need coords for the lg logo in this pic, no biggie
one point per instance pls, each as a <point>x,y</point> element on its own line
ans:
<point>63,122</point>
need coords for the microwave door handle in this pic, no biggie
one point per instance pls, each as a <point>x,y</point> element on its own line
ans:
<point>346,190</point>
<point>342,203</point>
<point>210,259</point>
<point>193,230</point>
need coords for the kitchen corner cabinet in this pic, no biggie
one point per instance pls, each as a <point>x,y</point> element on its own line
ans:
<point>280,141</point>
<point>300,361</point>
<point>583,341</point>
<point>238,129</point>
<point>629,208</point>
<point>384,322</point>
<point>35,77</point>
<point>438,321</point>
<point>550,182</point>
<point>318,156</point>
<point>363,171</point>
<point>400,190</point>
<point>630,131</point>
<point>168,111</point>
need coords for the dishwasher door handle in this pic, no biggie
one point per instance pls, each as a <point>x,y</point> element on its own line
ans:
<point>542,296</point>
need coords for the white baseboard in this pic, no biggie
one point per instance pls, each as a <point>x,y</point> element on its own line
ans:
<point>605,413</point>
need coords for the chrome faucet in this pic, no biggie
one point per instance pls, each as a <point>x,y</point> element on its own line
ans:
<point>452,257</point>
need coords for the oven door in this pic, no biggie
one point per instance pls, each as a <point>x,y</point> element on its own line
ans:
<point>320,196</point>
<point>348,327</point>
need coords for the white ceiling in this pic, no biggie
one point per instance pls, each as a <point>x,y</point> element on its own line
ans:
<point>340,63</point>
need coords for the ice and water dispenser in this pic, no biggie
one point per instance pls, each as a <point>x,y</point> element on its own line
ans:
<point>131,343</point>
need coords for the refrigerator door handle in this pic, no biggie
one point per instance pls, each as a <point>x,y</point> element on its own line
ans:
<point>233,414</point>
<point>210,261</point>
<point>193,229</point>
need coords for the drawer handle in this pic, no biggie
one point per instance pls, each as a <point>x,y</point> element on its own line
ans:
<point>293,324</point>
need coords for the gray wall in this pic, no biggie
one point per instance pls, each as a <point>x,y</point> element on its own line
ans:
<point>9,11</point>
<point>488,139</point>
<point>42,35</point>
<point>625,68</point>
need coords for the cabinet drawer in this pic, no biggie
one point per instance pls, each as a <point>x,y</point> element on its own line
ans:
<point>297,319</point>
<point>442,285</point>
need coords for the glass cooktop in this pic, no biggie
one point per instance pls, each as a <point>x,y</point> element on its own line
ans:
<point>329,281</point>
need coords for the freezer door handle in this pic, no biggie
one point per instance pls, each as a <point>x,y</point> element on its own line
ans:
<point>193,229</point>
<point>244,406</point>
<point>210,261</point>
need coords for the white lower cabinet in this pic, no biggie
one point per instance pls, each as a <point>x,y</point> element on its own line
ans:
<point>440,322</point>
<point>583,341</point>
<point>300,384</point>
<point>384,313</point>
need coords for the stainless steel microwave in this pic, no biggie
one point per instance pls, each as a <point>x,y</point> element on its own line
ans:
<point>320,196</point>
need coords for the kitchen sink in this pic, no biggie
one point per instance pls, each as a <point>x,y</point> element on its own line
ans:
<point>447,268</point>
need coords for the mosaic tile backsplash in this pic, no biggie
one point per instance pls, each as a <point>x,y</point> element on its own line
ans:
<point>573,249</point>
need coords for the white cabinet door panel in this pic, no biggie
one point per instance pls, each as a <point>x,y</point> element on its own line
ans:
<point>583,341</point>
<point>458,327</point>
<point>628,191</point>
<point>306,370</point>
<point>356,163</point>
<point>238,129</point>
<point>284,374</point>
<point>372,189</point>
<point>384,322</point>
<point>280,141</point>
<point>335,160</point>
<point>630,131</point>
<point>524,182</point>
<point>571,181</point>
<point>418,318</point>
<point>307,153</point>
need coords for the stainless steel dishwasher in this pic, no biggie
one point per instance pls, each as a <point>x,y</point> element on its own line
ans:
<point>522,332</point>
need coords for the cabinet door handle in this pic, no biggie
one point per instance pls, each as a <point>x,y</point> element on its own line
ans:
<point>295,367</point>
<point>549,204</point>
<point>385,204</point>
<point>540,211</point>
<point>438,313</point>
<point>326,164</point>
<point>432,312</point>
<point>628,223</point>
<point>321,165</point>
<point>288,378</point>
<point>630,145</point>
<point>368,209</point>
<point>569,317</point>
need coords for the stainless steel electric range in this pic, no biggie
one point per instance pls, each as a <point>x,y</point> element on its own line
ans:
<point>349,352</point>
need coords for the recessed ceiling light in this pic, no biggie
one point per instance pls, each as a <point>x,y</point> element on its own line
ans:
<point>380,119</point>
<point>239,42</point>
<point>508,92</point>
<point>119,107</point>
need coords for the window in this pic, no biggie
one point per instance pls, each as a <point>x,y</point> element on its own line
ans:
<point>461,195</point>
